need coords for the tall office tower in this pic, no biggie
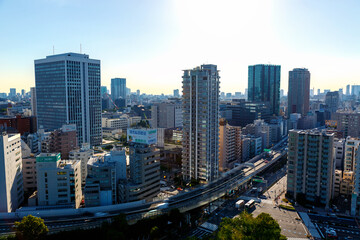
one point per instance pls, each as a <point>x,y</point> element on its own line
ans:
<point>264,85</point>
<point>230,146</point>
<point>299,91</point>
<point>200,157</point>
<point>103,91</point>
<point>176,93</point>
<point>281,93</point>
<point>58,181</point>
<point>312,91</point>
<point>12,92</point>
<point>348,123</point>
<point>11,178</point>
<point>33,101</point>
<point>311,165</point>
<point>318,92</point>
<point>118,88</point>
<point>355,90</point>
<point>83,155</point>
<point>61,140</point>
<point>22,92</point>
<point>68,92</point>
<point>138,92</point>
<point>332,101</point>
<point>166,115</point>
<point>348,90</point>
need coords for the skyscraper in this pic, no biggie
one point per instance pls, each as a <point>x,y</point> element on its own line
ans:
<point>332,101</point>
<point>299,91</point>
<point>355,90</point>
<point>33,101</point>
<point>68,92</point>
<point>118,88</point>
<point>348,90</point>
<point>264,85</point>
<point>103,90</point>
<point>176,93</point>
<point>12,92</point>
<point>201,123</point>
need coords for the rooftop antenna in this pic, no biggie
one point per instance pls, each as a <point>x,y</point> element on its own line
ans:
<point>80,49</point>
<point>53,50</point>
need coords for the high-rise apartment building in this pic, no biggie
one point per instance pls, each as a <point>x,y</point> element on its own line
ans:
<point>264,85</point>
<point>299,91</point>
<point>11,178</point>
<point>348,123</point>
<point>58,181</point>
<point>311,165</point>
<point>33,101</point>
<point>230,145</point>
<point>355,197</point>
<point>200,158</point>
<point>118,88</point>
<point>68,92</point>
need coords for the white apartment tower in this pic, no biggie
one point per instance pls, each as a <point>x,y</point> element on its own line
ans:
<point>11,179</point>
<point>200,158</point>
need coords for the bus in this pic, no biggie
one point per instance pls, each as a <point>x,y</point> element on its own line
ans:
<point>250,204</point>
<point>239,204</point>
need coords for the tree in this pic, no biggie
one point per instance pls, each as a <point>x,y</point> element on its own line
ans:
<point>263,227</point>
<point>31,228</point>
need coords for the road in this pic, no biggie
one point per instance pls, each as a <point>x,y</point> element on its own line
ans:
<point>186,201</point>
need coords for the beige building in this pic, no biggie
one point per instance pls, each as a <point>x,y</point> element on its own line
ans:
<point>11,179</point>
<point>83,155</point>
<point>29,174</point>
<point>58,181</point>
<point>230,145</point>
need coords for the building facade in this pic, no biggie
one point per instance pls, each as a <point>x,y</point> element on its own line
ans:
<point>33,101</point>
<point>200,158</point>
<point>311,166</point>
<point>58,181</point>
<point>118,88</point>
<point>83,155</point>
<point>348,123</point>
<point>68,92</point>
<point>11,178</point>
<point>299,91</point>
<point>166,115</point>
<point>264,85</point>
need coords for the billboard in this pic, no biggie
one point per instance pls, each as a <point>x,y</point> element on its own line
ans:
<point>145,136</point>
<point>331,123</point>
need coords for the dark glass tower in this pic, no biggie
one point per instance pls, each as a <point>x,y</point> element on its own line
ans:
<point>68,92</point>
<point>299,91</point>
<point>264,85</point>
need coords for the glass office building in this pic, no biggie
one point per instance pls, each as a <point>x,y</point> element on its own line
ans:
<point>264,85</point>
<point>68,92</point>
<point>118,88</point>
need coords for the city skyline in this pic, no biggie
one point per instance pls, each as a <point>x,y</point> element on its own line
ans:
<point>153,37</point>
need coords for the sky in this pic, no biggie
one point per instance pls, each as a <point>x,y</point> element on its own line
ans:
<point>150,42</point>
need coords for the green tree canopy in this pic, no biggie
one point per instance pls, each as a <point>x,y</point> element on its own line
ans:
<point>31,228</point>
<point>263,227</point>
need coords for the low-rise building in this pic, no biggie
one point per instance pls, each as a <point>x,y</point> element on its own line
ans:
<point>58,181</point>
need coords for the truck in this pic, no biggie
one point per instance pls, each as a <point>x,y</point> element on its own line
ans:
<point>239,204</point>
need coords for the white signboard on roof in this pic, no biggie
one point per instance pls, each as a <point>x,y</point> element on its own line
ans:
<point>143,135</point>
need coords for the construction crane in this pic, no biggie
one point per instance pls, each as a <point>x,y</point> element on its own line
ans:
<point>112,101</point>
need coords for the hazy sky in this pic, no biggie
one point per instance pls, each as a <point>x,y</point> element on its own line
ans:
<point>150,42</point>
